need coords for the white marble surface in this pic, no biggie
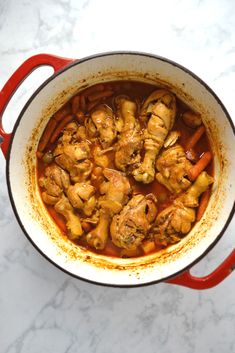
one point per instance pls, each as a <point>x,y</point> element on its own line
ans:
<point>43,309</point>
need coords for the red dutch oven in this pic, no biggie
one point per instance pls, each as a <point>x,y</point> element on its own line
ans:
<point>171,265</point>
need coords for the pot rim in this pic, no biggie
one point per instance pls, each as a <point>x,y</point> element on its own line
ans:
<point>39,89</point>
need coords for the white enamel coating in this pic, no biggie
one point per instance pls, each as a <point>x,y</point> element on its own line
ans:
<point>22,178</point>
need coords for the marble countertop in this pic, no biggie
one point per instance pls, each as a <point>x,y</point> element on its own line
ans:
<point>43,309</point>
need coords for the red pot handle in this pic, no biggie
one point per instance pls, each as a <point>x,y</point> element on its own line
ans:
<point>218,275</point>
<point>17,78</point>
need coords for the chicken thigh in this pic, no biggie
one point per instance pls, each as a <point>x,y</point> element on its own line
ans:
<point>103,120</point>
<point>173,167</point>
<point>176,220</point>
<point>75,159</point>
<point>55,181</point>
<point>81,196</point>
<point>132,224</point>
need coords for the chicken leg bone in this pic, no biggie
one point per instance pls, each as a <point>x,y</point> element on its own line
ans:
<point>160,109</point>
<point>130,143</point>
<point>116,191</point>
<point>73,224</point>
<point>176,220</point>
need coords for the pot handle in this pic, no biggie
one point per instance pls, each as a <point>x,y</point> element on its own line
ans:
<point>17,78</point>
<point>218,275</point>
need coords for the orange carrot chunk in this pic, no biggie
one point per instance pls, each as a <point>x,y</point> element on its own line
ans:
<point>195,138</point>
<point>148,246</point>
<point>82,103</point>
<point>91,105</point>
<point>60,127</point>
<point>99,95</point>
<point>46,135</point>
<point>75,104</point>
<point>97,88</point>
<point>203,204</point>
<point>199,166</point>
<point>39,154</point>
<point>62,113</point>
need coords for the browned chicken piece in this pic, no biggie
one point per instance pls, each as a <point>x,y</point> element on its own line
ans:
<point>98,237</point>
<point>131,225</point>
<point>49,199</point>
<point>82,171</point>
<point>81,196</point>
<point>104,122</point>
<point>55,181</point>
<point>90,206</point>
<point>74,159</point>
<point>76,151</point>
<point>73,223</point>
<point>97,177</point>
<point>81,133</point>
<point>83,190</point>
<point>130,143</point>
<point>91,130</point>
<point>48,157</point>
<point>173,167</point>
<point>100,158</point>
<point>160,110</point>
<point>68,136</point>
<point>116,190</point>
<point>70,154</point>
<point>176,220</point>
<point>94,217</point>
<point>192,119</point>
<point>119,121</point>
<point>58,175</point>
<point>171,139</point>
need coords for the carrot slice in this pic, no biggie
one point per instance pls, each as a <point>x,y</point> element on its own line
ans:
<point>199,166</point>
<point>148,246</point>
<point>203,204</point>
<point>75,104</point>
<point>60,127</point>
<point>99,95</point>
<point>39,154</point>
<point>62,113</point>
<point>93,89</point>
<point>46,135</point>
<point>82,103</point>
<point>91,105</point>
<point>195,138</point>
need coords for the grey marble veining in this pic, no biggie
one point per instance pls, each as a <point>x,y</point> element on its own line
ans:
<point>45,310</point>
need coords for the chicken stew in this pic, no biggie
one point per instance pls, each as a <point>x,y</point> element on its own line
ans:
<point>125,168</point>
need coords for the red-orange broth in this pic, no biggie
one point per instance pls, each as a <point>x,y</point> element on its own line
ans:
<point>138,92</point>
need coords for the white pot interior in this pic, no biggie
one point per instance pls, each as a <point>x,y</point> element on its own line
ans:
<point>22,169</point>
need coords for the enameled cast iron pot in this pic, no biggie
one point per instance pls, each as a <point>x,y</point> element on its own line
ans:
<point>171,265</point>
